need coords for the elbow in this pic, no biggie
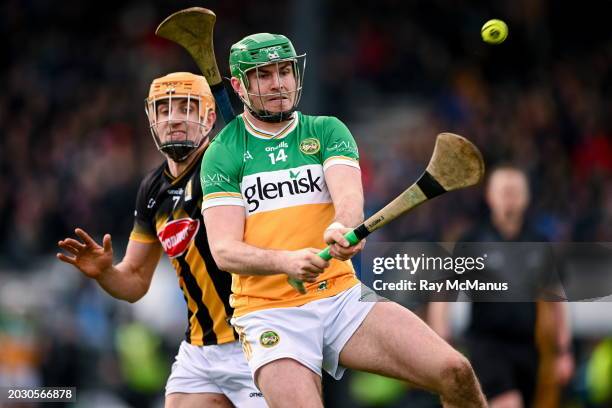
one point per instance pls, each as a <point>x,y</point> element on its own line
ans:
<point>133,298</point>
<point>221,254</point>
<point>138,293</point>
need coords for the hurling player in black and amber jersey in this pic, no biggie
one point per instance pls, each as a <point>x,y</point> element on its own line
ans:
<point>210,369</point>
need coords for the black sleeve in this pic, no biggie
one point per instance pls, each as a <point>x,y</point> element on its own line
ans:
<point>144,225</point>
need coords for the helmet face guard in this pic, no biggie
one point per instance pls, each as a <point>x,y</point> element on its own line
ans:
<point>255,94</point>
<point>259,50</point>
<point>174,131</point>
<point>178,107</point>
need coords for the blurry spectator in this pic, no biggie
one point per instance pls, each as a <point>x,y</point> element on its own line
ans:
<point>501,337</point>
<point>20,354</point>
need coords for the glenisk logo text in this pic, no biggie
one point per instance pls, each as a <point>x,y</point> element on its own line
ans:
<point>176,236</point>
<point>298,183</point>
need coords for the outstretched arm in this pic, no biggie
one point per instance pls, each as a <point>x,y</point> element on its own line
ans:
<point>128,280</point>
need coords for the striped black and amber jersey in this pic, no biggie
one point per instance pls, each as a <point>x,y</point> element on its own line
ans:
<point>168,212</point>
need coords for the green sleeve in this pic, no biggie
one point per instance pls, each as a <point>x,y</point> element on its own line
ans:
<point>338,145</point>
<point>219,176</point>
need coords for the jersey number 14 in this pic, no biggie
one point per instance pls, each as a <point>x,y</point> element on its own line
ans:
<point>280,156</point>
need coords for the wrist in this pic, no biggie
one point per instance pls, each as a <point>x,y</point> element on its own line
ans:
<point>282,260</point>
<point>104,273</point>
<point>335,225</point>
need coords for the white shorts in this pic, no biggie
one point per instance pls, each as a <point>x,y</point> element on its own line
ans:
<point>219,369</point>
<point>313,334</point>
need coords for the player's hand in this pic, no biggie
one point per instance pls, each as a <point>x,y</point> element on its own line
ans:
<point>339,246</point>
<point>305,265</point>
<point>91,258</point>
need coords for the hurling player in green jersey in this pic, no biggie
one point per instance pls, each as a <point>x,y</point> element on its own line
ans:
<point>278,185</point>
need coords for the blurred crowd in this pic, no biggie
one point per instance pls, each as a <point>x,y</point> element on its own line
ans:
<point>75,142</point>
<point>541,100</point>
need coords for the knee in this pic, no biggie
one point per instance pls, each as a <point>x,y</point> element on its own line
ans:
<point>459,386</point>
<point>456,373</point>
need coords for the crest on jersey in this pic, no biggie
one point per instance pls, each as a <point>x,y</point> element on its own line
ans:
<point>310,145</point>
<point>176,236</point>
<point>269,338</point>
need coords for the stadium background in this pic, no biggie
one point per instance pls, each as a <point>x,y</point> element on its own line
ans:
<point>74,144</point>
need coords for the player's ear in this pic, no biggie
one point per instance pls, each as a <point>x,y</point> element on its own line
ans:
<point>211,118</point>
<point>236,85</point>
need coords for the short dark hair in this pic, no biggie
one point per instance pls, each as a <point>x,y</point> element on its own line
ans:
<point>506,166</point>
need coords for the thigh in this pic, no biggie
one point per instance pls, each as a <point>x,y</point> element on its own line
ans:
<point>197,400</point>
<point>342,316</point>
<point>287,383</point>
<point>282,333</point>
<point>394,342</point>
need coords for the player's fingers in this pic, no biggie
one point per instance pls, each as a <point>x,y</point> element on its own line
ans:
<point>344,254</point>
<point>358,246</point>
<point>64,258</point>
<point>315,251</point>
<point>89,241</point>
<point>69,248</point>
<point>309,270</point>
<point>344,251</point>
<point>309,277</point>
<point>107,243</point>
<point>337,237</point>
<point>319,262</point>
<point>313,276</point>
<point>312,268</point>
<point>355,248</point>
<point>339,256</point>
<point>74,243</point>
<point>334,252</point>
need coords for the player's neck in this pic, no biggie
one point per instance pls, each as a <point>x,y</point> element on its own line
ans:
<point>272,127</point>
<point>178,168</point>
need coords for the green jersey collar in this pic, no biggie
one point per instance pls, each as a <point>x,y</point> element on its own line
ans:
<point>263,134</point>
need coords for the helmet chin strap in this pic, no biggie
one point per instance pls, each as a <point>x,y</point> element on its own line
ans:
<point>274,117</point>
<point>178,152</point>
<point>182,150</point>
<point>263,115</point>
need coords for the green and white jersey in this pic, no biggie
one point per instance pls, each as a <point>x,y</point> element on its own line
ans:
<point>279,180</point>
